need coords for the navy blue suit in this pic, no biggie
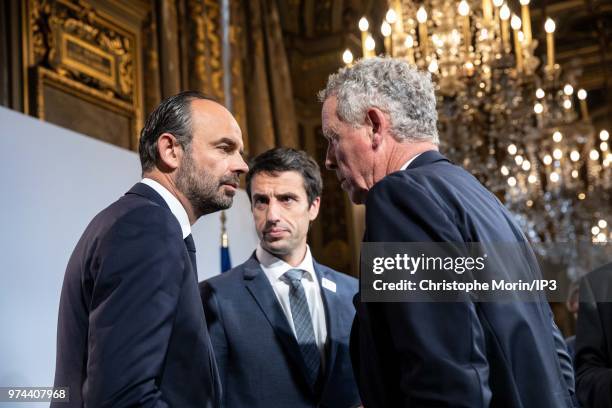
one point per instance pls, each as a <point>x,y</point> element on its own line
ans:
<point>594,340</point>
<point>460,354</point>
<point>131,330</point>
<point>259,359</point>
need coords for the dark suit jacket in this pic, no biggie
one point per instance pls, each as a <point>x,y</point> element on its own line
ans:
<point>594,340</point>
<point>131,330</point>
<point>259,358</point>
<point>458,354</point>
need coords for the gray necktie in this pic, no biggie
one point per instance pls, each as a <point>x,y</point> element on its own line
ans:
<point>303,323</point>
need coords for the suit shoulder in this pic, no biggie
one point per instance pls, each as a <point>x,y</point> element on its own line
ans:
<point>136,213</point>
<point>400,182</point>
<point>151,218</point>
<point>224,280</point>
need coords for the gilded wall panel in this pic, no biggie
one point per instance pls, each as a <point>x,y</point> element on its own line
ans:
<point>87,56</point>
<point>203,51</point>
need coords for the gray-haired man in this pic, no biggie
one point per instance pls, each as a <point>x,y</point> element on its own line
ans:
<point>379,117</point>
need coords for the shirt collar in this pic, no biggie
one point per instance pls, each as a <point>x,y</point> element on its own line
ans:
<point>405,166</point>
<point>277,267</point>
<point>175,205</point>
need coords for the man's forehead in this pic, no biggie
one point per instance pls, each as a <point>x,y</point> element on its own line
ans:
<point>284,180</point>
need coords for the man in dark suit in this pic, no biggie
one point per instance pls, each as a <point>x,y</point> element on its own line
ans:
<point>594,340</point>
<point>379,117</point>
<point>280,322</point>
<point>131,329</point>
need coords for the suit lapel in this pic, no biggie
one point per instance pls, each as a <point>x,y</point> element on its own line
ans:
<point>259,287</point>
<point>330,303</point>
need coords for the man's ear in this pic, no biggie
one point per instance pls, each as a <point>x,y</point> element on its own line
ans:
<point>169,152</point>
<point>378,121</point>
<point>313,211</point>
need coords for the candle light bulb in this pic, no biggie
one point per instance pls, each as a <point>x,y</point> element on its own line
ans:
<point>421,15</point>
<point>433,66</point>
<point>550,26</point>
<point>409,42</point>
<point>540,93</point>
<point>582,94</point>
<point>504,12</point>
<point>604,135</point>
<point>557,136</point>
<point>363,24</point>
<point>538,108</point>
<point>547,159</point>
<point>464,8</point>
<point>568,89</point>
<point>524,2</point>
<point>575,156</point>
<point>567,104</point>
<point>521,36</point>
<point>554,177</point>
<point>515,22</point>
<point>347,56</point>
<point>370,43</point>
<point>385,29</point>
<point>498,3</point>
<point>391,16</point>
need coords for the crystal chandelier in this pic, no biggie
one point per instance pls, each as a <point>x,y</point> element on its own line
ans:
<point>507,118</point>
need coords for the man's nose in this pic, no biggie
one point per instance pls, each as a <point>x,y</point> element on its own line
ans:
<point>330,158</point>
<point>239,165</point>
<point>272,215</point>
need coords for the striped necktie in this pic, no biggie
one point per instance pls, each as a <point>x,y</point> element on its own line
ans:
<point>302,322</point>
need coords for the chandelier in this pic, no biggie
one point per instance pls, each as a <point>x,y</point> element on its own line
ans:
<point>521,127</point>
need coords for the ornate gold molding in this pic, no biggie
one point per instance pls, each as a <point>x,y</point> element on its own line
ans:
<point>70,38</point>
<point>204,54</point>
<point>81,49</point>
<point>48,77</point>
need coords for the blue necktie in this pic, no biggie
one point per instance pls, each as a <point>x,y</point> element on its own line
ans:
<point>303,323</point>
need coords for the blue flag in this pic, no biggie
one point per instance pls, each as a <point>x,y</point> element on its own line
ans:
<point>226,262</point>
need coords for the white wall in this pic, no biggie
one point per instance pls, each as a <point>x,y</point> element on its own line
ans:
<point>53,181</point>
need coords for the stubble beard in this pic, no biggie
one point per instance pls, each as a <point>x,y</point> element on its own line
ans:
<point>204,192</point>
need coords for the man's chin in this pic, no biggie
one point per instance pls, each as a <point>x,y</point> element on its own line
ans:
<point>277,248</point>
<point>210,206</point>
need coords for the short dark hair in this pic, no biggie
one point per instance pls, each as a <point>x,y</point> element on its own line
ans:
<point>283,159</point>
<point>172,115</point>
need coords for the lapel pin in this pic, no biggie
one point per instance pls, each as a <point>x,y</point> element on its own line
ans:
<point>329,285</point>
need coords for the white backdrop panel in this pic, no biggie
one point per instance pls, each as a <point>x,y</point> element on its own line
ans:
<point>53,182</point>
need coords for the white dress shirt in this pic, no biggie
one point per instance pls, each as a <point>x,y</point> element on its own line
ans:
<point>405,166</point>
<point>274,269</point>
<point>175,205</point>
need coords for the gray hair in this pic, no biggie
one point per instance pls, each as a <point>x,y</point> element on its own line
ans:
<point>391,85</point>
